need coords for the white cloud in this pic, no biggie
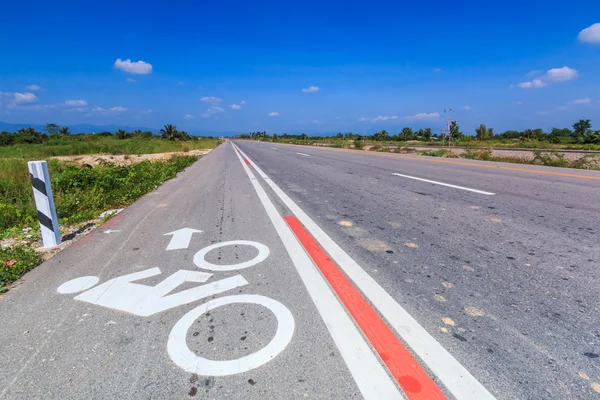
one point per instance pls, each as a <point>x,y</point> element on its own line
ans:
<point>117,109</point>
<point>33,88</point>
<point>137,67</point>
<point>242,102</point>
<point>98,109</point>
<point>210,99</point>
<point>273,114</point>
<point>536,83</point>
<point>585,100</point>
<point>235,107</point>
<point>422,116</point>
<point>188,116</point>
<point>339,117</point>
<point>534,72</point>
<point>552,75</point>
<point>214,109</point>
<point>24,98</point>
<point>76,103</point>
<point>561,74</point>
<point>312,89</point>
<point>363,119</point>
<point>130,80</point>
<point>437,70</point>
<point>466,108</point>
<point>591,34</point>
<point>381,118</point>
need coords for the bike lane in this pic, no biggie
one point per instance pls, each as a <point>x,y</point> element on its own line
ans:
<point>189,292</point>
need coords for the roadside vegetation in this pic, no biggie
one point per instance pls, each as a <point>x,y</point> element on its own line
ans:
<point>30,144</point>
<point>580,137</point>
<point>81,193</point>
<point>545,146</point>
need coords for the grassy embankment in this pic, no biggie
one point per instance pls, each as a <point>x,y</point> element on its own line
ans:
<point>80,193</point>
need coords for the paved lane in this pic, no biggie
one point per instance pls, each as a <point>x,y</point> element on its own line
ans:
<point>55,347</point>
<point>270,271</point>
<point>507,283</point>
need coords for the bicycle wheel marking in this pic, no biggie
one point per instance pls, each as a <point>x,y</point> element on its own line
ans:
<point>181,354</point>
<point>200,256</point>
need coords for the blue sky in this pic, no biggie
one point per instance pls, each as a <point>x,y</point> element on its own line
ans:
<point>194,63</point>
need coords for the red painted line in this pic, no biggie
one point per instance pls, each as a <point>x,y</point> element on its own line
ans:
<point>246,161</point>
<point>412,378</point>
<point>111,222</point>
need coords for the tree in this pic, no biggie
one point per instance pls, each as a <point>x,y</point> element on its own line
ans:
<point>339,135</point>
<point>275,137</point>
<point>121,134</point>
<point>304,136</point>
<point>407,134</point>
<point>169,132</point>
<point>64,131</point>
<point>182,135</point>
<point>51,129</point>
<point>455,132</point>
<point>582,129</point>
<point>482,132</point>
<point>427,134</point>
<point>595,137</point>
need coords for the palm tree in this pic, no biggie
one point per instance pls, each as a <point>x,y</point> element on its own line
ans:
<point>64,130</point>
<point>169,132</point>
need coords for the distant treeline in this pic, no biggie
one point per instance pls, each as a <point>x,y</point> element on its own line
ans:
<point>582,133</point>
<point>53,132</point>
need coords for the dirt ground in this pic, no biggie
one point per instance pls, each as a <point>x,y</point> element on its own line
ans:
<point>94,160</point>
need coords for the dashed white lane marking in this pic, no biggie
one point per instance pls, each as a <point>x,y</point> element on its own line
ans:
<point>370,376</point>
<point>274,148</point>
<point>446,184</point>
<point>456,378</point>
<point>302,154</point>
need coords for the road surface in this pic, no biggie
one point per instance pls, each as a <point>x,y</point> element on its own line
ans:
<point>274,271</point>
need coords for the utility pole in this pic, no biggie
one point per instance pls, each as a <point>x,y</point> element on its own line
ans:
<point>448,114</point>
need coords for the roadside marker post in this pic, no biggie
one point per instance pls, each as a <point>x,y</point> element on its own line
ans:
<point>44,202</point>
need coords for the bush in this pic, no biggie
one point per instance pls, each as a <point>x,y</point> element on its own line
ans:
<point>359,144</point>
<point>14,262</point>
<point>550,158</point>
<point>477,152</point>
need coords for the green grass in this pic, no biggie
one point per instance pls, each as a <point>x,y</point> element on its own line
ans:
<point>14,262</point>
<point>80,193</point>
<point>89,144</point>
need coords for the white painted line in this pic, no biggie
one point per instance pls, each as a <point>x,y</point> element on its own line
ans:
<point>446,184</point>
<point>181,354</point>
<point>370,376</point>
<point>456,378</point>
<point>200,256</point>
<point>274,148</point>
<point>181,238</point>
<point>302,154</point>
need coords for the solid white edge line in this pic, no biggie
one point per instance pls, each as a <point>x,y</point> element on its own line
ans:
<point>456,378</point>
<point>305,155</point>
<point>445,184</point>
<point>369,374</point>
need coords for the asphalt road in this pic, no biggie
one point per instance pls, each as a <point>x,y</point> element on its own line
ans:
<point>456,279</point>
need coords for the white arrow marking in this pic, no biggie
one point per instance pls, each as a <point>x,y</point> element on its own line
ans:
<point>112,230</point>
<point>181,238</point>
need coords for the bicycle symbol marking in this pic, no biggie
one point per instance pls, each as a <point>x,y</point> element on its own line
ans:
<point>123,294</point>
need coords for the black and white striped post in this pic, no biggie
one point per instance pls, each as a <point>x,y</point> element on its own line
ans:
<point>42,192</point>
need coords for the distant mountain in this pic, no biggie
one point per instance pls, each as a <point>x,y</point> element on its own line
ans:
<point>88,128</point>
